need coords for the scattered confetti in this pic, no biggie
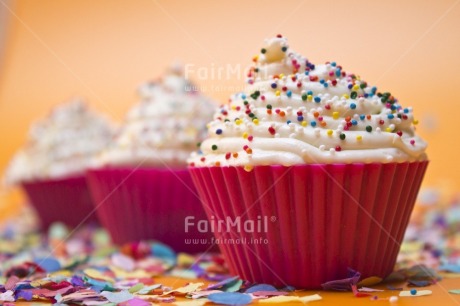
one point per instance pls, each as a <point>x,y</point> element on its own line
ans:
<point>101,274</point>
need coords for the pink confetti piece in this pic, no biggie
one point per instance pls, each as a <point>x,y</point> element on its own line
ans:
<point>135,302</point>
<point>358,294</point>
<point>11,282</point>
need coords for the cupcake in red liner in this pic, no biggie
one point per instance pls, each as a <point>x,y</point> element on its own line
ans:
<point>142,189</point>
<point>308,172</point>
<point>51,167</point>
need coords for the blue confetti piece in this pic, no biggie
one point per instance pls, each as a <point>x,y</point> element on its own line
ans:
<point>450,268</point>
<point>230,298</point>
<point>419,283</point>
<point>164,252</point>
<point>22,286</point>
<point>117,297</point>
<point>49,264</point>
<point>261,287</point>
<point>98,285</point>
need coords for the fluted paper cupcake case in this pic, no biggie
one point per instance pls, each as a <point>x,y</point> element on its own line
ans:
<point>64,200</point>
<point>322,219</point>
<point>148,203</point>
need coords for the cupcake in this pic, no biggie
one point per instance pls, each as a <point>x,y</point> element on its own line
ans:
<point>142,185</point>
<point>319,169</point>
<point>51,166</point>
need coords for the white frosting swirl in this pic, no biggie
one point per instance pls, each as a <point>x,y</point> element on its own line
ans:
<point>294,112</point>
<point>165,127</point>
<point>62,145</point>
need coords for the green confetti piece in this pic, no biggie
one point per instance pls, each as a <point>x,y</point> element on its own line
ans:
<point>136,288</point>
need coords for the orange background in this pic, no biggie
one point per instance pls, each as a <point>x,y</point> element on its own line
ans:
<point>103,50</point>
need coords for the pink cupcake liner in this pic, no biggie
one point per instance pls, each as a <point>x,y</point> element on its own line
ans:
<point>147,203</point>
<point>65,200</point>
<point>322,219</point>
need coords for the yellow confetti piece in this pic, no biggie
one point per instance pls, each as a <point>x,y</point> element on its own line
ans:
<point>291,299</point>
<point>370,281</point>
<point>359,138</point>
<point>192,287</point>
<point>415,122</point>
<point>335,115</point>
<point>65,273</point>
<point>255,121</point>
<point>329,132</point>
<point>304,123</point>
<point>139,273</point>
<point>39,282</point>
<point>92,273</point>
<point>184,259</point>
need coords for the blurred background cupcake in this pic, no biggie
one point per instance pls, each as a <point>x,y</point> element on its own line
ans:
<point>51,166</point>
<point>328,165</point>
<point>142,188</point>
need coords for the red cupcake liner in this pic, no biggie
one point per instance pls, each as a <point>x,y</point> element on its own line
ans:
<point>322,219</point>
<point>65,200</point>
<point>147,203</point>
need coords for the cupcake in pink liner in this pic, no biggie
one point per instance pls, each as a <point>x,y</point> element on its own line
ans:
<point>142,189</point>
<point>51,166</point>
<point>309,171</point>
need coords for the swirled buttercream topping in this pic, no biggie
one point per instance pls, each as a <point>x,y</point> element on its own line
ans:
<point>164,128</point>
<point>294,112</point>
<point>63,144</point>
